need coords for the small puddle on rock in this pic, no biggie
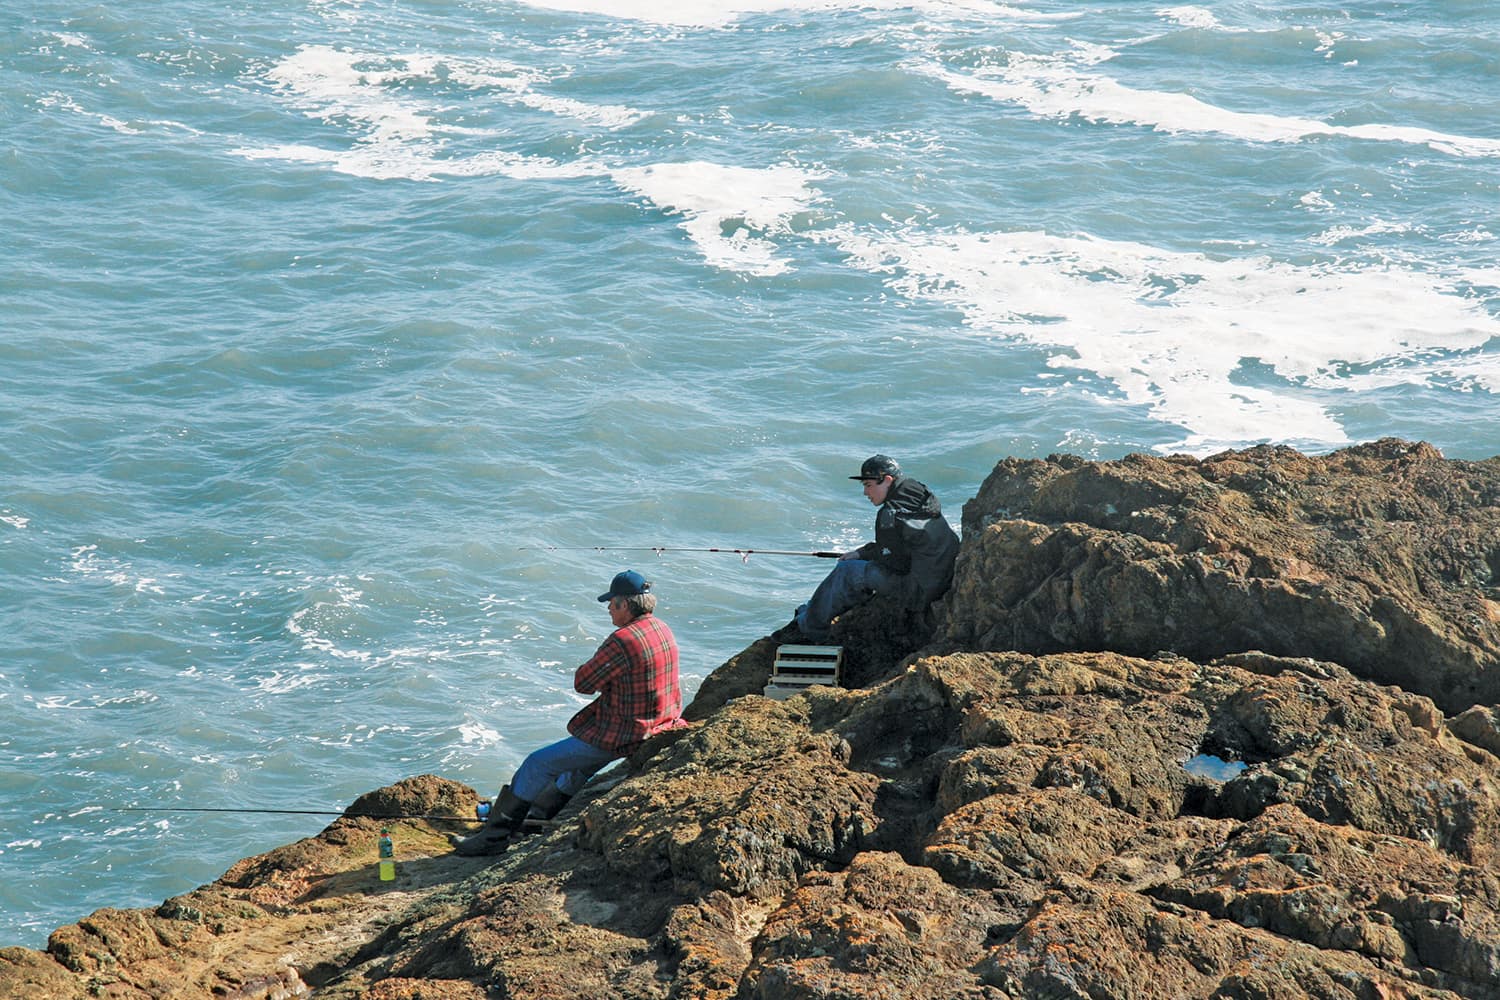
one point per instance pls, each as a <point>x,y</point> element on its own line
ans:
<point>1215,768</point>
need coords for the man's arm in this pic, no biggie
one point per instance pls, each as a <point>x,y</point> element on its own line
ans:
<point>600,668</point>
<point>887,530</point>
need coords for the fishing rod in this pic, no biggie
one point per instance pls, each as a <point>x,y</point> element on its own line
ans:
<point>289,812</point>
<point>744,554</point>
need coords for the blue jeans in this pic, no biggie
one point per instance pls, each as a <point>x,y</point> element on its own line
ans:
<point>568,764</point>
<point>851,582</point>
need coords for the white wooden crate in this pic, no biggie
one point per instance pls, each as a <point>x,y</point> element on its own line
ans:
<point>798,668</point>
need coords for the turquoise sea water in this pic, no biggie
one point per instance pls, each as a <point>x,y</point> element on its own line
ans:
<point>320,316</point>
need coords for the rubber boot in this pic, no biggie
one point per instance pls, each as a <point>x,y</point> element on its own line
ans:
<point>506,817</point>
<point>549,803</point>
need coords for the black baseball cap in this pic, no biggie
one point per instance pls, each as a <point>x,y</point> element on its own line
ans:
<point>878,467</point>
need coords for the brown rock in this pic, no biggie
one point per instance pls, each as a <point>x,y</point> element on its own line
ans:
<point>1090,942</point>
<point>26,973</point>
<point>1338,888</point>
<point>745,804</point>
<point>1382,558</point>
<point>1480,727</point>
<point>878,928</point>
<point>252,934</point>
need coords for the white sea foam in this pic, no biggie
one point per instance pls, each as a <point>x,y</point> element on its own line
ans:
<point>136,697</point>
<point>519,84</point>
<point>1175,332</point>
<point>308,624</point>
<point>14,520</point>
<point>723,207</point>
<point>1478,234</point>
<point>1191,17</point>
<point>1343,234</point>
<point>64,103</point>
<point>477,734</point>
<point>1474,372</point>
<point>56,100</point>
<point>282,682</point>
<point>397,162</point>
<point>1062,86</point>
<point>391,134</point>
<point>72,40</point>
<point>341,10</point>
<point>330,83</point>
<point>721,13</point>
<point>88,562</point>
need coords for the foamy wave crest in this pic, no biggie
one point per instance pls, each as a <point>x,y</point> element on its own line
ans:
<point>1183,333</point>
<point>397,162</point>
<point>279,682</point>
<point>331,83</point>
<point>517,84</point>
<point>1474,372</point>
<point>311,624</point>
<point>1191,17</point>
<point>474,733</point>
<point>1343,234</point>
<point>722,207</point>
<point>62,102</point>
<point>1062,87</point>
<point>721,13</point>
<point>67,702</point>
<point>399,136</point>
<point>87,561</point>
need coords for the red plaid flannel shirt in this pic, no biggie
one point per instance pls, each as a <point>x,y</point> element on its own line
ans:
<point>635,675</point>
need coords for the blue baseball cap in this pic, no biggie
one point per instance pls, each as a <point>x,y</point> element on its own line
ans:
<point>626,584</point>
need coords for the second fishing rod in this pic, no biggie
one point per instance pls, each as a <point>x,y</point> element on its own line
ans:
<point>743,553</point>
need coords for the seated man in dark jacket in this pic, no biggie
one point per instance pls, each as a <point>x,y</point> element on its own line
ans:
<point>911,557</point>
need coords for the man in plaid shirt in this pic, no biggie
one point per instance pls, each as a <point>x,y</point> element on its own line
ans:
<point>635,675</point>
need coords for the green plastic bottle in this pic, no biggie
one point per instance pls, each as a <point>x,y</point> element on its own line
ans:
<point>387,857</point>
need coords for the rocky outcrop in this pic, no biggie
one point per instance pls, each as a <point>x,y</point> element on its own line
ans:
<point>1384,558</point>
<point>1220,729</point>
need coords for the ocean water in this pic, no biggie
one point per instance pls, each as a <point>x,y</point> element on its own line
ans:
<point>339,334</point>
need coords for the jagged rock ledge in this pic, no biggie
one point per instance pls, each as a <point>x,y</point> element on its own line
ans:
<point>1004,804</point>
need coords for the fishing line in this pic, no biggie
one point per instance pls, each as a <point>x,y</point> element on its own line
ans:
<point>289,812</point>
<point>744,554</point>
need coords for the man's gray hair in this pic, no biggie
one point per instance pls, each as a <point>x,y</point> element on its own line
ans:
<point>640,604</point>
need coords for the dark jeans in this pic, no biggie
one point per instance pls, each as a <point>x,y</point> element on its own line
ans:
<point>569,764</point>
<point>851,582</point>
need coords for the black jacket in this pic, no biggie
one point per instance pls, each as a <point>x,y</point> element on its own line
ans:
<point>914,541</point>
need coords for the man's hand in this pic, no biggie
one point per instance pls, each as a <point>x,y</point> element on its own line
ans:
<point>851,554</point>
